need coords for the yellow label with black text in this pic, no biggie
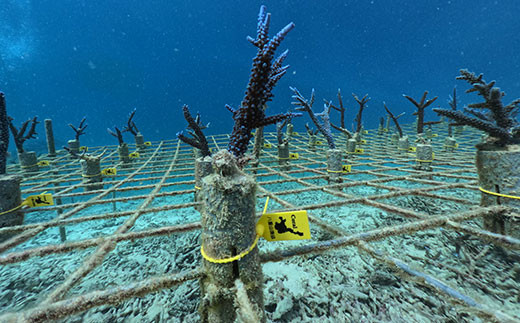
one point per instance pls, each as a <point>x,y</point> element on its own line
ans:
<point>43,199</point>
<point>83,148</point>
<point>111,171</point>
<point>294,156</point>
<point>359,150</point>
<point>285,226</point>
<point>365,132</point>
<point>318,142</point>
<point>412,149</point>
<point>295,133</point>
<point>435,135</point>
<point>363,141</point>
<point>148,143</point>
<point>267,145</point>
<point>44,163</point>
<point>346,168</point>
<point>135,154</point>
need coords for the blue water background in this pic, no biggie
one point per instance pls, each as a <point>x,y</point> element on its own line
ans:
<point>67,59</point>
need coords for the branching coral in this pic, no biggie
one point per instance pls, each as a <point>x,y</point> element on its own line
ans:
<point>311,132</point>
<point>362,105</point>
<point>117,133</point>
<point>423,104</point>
<point>279,131</point>
<point>490,116</point>
<point>19,135</point>
<point>264,76</point>
<point>195,125</point>
<point>306,105</point>
<point>341,110</point>
<point>130,124</point>
<point>394,119</point>
<point>4,134</point>
<point>80,130</point>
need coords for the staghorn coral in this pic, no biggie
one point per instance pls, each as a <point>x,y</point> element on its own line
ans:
<point>306,105</point>
<point>423,104</point>
<point>199,139</point>
<point>394,119</point>
<point>4,134</point>
<point>279,131</point>
<point>80,130</point>
<point>490,116</point>
<point>265,73</point>
<point>130,124</point>
<point>117,133</point>
<point>19,135</point>
<point>341,109</point>
<point>362,105</point>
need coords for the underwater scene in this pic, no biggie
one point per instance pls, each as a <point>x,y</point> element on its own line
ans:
<point>259,161</point>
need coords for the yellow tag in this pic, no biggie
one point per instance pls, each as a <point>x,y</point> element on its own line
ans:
<point>318,142</point>
<point>456,145</point>
<point>148,143</point>
<point>363,141</point>
<point>359,150</point>
<point>135,154</point>
<point>365,132</point>
<point>285,226</point>
<point>346,168</point>
<point>412,149</point>
<point>433,155</point>
<point>83,148</point>
<point>385,130</point>
<point>111,171</point>
<point>43,199</point>
<point>267,146</point>
<point>43,163</point>
<point>435,135</point>
<point>295,133</point>
<point>294,156</point>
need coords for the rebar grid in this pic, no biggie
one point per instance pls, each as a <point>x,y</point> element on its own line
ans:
<point>165,172</point>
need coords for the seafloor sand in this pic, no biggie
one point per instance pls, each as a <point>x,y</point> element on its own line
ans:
<point>341,285</point>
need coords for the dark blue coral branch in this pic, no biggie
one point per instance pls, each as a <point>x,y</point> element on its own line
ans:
<point>4,134</point>
<point>264,76</point>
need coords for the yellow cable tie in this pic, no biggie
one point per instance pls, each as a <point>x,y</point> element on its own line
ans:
<point>89,176</point>
<point>424,161</point>
<point>197,187</point>
<point>230,259</point>
<point>499,194</point>
<point>13,209</point>
<point>335,171</point>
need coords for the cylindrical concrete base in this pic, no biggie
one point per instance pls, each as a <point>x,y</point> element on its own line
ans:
<point>424,157</point>
<point>91,173</point>
<point>449,144</point>
<point>334,166</point>
<point>351,146</point>
<point>49,135</point>
<point>124,157</point>
<point>202,169</point>
<point>73,146</point>
<point>498,171</point>
<point>394,139</point>
<point>139,142</point>
<point>229,228</point>
<point>403,145</point>
<point>10,198</point>
<point>28,162</point>
<point>283,157</point>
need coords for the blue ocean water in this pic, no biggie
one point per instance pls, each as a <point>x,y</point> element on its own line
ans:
<point>100,59</point>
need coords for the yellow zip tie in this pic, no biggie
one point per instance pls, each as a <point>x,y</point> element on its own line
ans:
<point>231,259</point>
<point>424,161</point>
<point>499,194</point>
<point>240,255</point>
<point>335,171</point>
<point>13,209</point>
<point>197,187</point>
<point>89,176</point>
